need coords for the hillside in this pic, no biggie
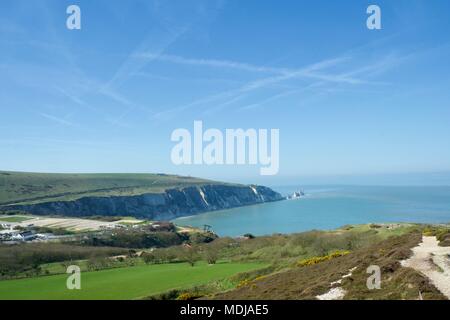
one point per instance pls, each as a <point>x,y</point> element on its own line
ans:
<point>345,277</point>
<point>24,187</point>
<point>329,265</point>
<point>153,196</point>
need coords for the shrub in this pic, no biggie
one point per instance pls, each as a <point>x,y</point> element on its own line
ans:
<point>168,295</point>
<point>260,278</point>
<point>148,257</point>
<point>211,255</point>
<point>316,260</point>
<point>187,296</point>
<point>243,283</point>
<point>202,237</point>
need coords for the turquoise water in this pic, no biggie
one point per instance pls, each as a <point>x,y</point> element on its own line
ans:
<point>329,207</point>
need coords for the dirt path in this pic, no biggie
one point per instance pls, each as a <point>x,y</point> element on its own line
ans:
<point>433,261</point>
<point>336,293</point>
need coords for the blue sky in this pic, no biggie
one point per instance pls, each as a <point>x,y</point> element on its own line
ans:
<point>347,100</point>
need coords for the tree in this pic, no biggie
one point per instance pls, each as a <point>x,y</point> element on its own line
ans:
<point>191,255</point>
<point>211,255</point>
<point>37,270</point>
<point>148,257</point>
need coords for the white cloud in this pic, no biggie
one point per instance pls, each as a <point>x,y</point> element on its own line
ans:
<point>57,119</point>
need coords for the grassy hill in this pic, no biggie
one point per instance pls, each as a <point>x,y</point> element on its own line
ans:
<point>307,282</point>
<point>315,276</point>
<point>24,187</point>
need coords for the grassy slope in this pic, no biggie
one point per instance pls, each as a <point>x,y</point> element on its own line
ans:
<point>14,219</point>
<point>309,281</point>
<point>123,283</point>
<point>20,187</point>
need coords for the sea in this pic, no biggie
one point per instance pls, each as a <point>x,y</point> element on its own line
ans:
<point>329,207</point>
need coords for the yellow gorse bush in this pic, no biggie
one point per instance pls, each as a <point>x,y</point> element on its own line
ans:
<point>243,283</point>
<point>316,260</point>
<point>250,283</point>
<point>260,278</point>
<point>186,296</point>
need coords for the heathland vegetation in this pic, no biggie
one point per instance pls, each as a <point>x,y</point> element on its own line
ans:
<point>315,276</point>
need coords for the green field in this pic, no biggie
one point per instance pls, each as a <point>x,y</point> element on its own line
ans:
<point>14,219</point>
<point>23,187</point>
<point>124,283</point>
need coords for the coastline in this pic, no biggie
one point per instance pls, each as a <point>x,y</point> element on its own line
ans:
<point>329,208</point>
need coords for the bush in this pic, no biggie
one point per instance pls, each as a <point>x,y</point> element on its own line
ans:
<point>444,238</point>
<point>187,296</point>
<point>199,237</point>
<point>243,283</point>
<point>149,257</point>
<point>211,255</point>
<point>316,260</point>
